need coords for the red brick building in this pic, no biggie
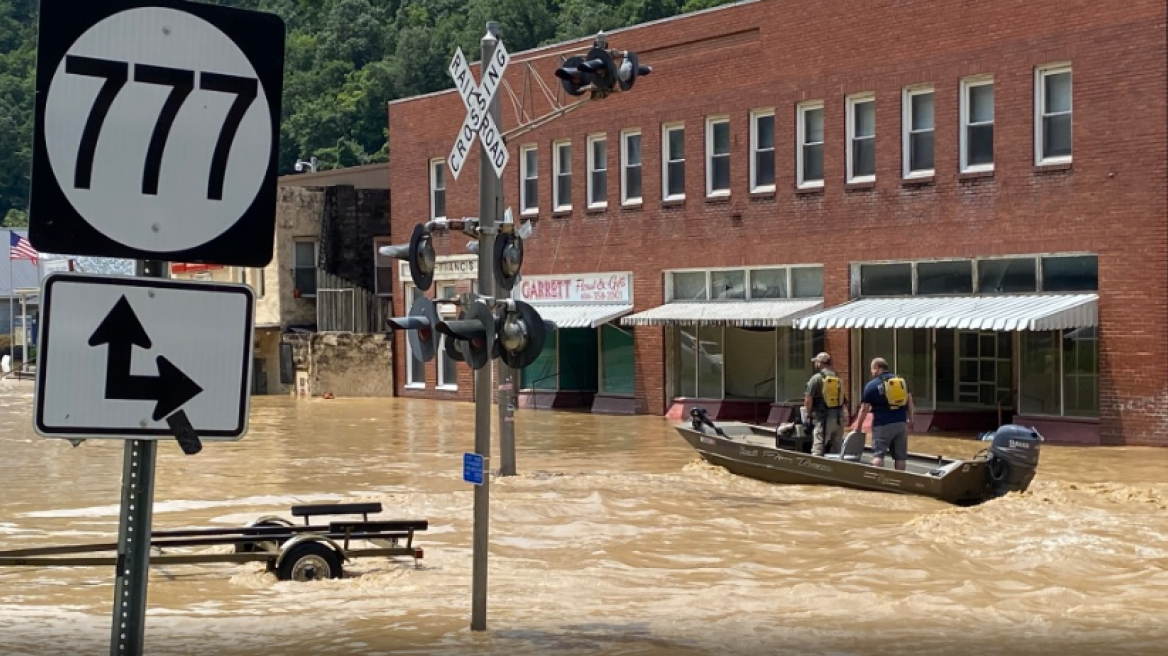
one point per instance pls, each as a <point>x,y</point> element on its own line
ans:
<point>976,193</point>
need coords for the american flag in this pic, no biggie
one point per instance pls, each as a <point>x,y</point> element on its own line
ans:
<point>20,249</point>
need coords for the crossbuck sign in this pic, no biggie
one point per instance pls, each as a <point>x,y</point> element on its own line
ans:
<point>477,98</point>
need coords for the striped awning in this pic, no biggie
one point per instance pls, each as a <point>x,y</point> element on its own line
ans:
<point>760,313</point>
<point>582,316</point>
<point>986,312</point>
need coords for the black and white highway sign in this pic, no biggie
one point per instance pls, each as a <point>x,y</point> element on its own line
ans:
<point>477,99</point>
<point>156,131</point>
<point>119,355</point>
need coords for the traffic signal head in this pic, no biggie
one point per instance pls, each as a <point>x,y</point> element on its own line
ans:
<point>572,78</point>
<point>508,259</point>
<point>599,65</point>
<point>422,323</point>
<point>630,69</point>
<point>522,334</point>
<point>474,334</point>
<point>419,253</point>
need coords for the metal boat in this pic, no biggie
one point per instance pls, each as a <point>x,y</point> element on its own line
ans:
<point>776,455</point>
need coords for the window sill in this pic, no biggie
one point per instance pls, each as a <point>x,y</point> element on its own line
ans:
<point>809,191</point>
<point>866,185</point>
<point>561,212</point>
<point>596,209</point>
<point>717,198</point>
<point>415,386</point>
<point>1053,167</point>
<point>447,388</point>
<point>918,181</point>
<point>631,205</point>
<point>763,194</point>
<point>974,175</point>
<point>529,214</point>
<point>673,202</point>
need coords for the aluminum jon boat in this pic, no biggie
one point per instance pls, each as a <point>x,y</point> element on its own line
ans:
<point>1007,465</point>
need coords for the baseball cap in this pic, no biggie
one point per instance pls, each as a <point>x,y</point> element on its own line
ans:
<point>822,357</point>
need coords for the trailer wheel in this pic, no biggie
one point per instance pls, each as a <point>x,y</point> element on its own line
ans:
<point>310,561</point>
<point>261,545</point>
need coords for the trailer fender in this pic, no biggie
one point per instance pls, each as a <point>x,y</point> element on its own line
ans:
<point>268,520</point>
<point>309,537</point>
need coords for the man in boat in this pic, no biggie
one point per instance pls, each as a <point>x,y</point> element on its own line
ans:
<point>823,402</point>
<point>886,397</point>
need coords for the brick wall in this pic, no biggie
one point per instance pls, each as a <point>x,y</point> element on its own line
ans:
<point>774,54</point>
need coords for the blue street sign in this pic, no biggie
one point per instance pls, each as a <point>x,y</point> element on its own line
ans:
<point>472,468</point>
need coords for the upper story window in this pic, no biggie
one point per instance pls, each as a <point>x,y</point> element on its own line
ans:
<point>718,156</point>
<point>918,131</point>
<point>762,150</point>
<point>977,124</point>
<point>809,154</point>
<point>631,167</point>
<point>304,258</point>
<point>745,284</point>
<point>382,268</point>
<point>437,188</point>
<point>597,171</point>
<point>528,179</point>
<point>861,138</point>
<point>1052,130</point>
<point>673,161</point>
<point>562,171</point>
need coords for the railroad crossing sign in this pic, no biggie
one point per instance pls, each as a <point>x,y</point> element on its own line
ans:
<point>156,131</point>
<point>477,98</point>
<point>119,355</point>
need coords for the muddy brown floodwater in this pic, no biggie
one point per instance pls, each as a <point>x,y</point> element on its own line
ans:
<point>613,539</point>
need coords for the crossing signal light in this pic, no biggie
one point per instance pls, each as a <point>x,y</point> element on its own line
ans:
<point>573,78</point>
<point>422,323</point>
<point>508,259</point>
<point>420,255</point>
<point>630,69</point>
<point>522,335</point>
<point>473,333</point>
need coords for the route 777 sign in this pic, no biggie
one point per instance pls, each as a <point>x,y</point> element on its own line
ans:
<point>477,98</point>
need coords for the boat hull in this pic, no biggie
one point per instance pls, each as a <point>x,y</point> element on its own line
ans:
<point>758,453</point>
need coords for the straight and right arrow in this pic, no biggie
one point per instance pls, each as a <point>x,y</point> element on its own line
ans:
<point>122,331</point>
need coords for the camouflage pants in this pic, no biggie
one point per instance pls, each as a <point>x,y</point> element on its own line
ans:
<point>828,434</point>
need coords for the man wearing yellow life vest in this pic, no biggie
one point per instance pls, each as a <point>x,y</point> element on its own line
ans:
<point>823,404</point>
<point>887,397</point>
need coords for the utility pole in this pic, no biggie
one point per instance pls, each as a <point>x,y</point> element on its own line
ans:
<point>490,192</point>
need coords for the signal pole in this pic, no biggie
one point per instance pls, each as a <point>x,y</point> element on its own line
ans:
<point>490,198</point>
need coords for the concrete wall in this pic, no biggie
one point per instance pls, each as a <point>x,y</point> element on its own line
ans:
<point>344,364</point>
<point>298,215</point>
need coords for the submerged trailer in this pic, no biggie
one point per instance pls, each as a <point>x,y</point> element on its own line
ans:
<point>305,552</point>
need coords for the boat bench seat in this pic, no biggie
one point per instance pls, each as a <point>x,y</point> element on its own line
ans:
<point>852,449</point>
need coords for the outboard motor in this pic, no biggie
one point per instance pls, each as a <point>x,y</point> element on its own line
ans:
<point>1013,458</point>
<point>698,418</point>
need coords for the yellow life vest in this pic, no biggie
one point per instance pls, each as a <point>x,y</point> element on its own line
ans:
<point>895,392</point>
<point>833,391</point>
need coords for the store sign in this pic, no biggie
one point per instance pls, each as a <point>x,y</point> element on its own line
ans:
<point>454,267</point>
<point>576,288</point>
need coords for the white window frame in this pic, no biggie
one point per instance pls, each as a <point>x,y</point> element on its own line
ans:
<point>593,167</point>
<point>1040,74</point>
<point>437,170</point>
<point>755,151</point>
<point>906,131</point>
<point>963,101</point>
<point>666,160</point>
<point>411,293</point>
<point>378,242</point>
<point>800,141</point>
<point>441,356</point>
<point>711,122</point>
<point>526,208</point>
<point>852,102</point>
<point>315,258</point>
<point>557,204</point>
<point>625,167</point>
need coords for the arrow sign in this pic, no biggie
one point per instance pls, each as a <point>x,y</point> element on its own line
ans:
<point>134,358</point>
<point>121,330</point>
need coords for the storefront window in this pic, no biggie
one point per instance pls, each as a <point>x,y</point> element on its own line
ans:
<point>685,364</point>
<point>543,374</point>
<point>953,277</point>
<point>796,348</point>
<point>728,285</point>
<point>1006,276</point>
<point>1070,274</point>
<point>750,363</point>
<point>689,286</point>
<point>768,283</point>
<point>1039,388</point>
<point>1081,372</point>
<point>577,361</point>
<point>711,361</point>
<point>886,279</point>
<point>617,373</point>
<point>914,353</point>
<point>807,281</point>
